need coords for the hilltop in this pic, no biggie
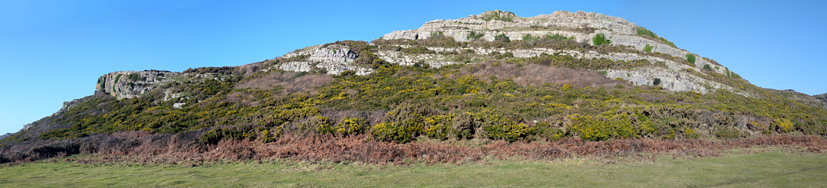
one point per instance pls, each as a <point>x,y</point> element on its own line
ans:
<point>576,78</point>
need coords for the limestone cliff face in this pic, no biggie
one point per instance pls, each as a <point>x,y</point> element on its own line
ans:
<point>131,84</point>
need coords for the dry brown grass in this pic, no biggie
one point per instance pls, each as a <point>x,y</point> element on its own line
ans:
<point>537,75</point>
<point>290,81</point>
<point>143,147</point>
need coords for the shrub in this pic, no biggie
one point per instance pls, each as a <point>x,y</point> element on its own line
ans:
<point>651,35</point>
<point>418,50</point>
<point>505,55</point>
<point>648,48</point>
<point>498,15</point>
<point>602,127</point>
<point>731,74</point>
<point>318,70</point>
<point>438,126</point>
<point>502,38</point>
<point>689,132</point>
<point>557,37</point>
<point>707,67</point>
<point>464,125</point>
<point>566,87</point>
<point>135,77</point>
<point>782,124</point>
<point>468,51</point>
<point>545,131</point>
<point>600,39</point>
<point>320,124</point>
<point>509,131</point>
<point>237,133</point>
<point>404,123</point>
<point>690,58</point>
<point>528,37</point>
<point>117,78</point>
<point>728,133</point>
<point>473,35</point>
<point>656,81</point>
<point>351,126</point>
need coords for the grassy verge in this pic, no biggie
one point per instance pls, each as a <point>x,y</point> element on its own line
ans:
<point>767,169</point>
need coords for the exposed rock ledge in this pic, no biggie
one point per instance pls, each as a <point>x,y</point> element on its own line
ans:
<point>131,84</point>
<point>334,59</point>
<point>618,30</point>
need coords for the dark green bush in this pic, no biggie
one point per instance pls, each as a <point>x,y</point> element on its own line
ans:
<point>557,37</point>
<point>237,133</point>
<point>690,58</point>
<point>600,39</point>
<point>473,35</point>
<point>641,31</point>
<point>465,125</point>
<point>729,133</point>
<point>502,38</point>
<point>528,37</point>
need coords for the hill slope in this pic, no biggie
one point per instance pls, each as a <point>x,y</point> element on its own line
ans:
<point>489,76</point>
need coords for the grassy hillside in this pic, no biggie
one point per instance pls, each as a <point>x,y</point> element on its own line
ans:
<point>496,97</point>
<point>769,169</point>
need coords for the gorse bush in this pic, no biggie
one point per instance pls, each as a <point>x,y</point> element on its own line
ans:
<point>647,48</point>
<point>622,125</point>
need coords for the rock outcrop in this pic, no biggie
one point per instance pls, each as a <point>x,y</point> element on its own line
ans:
<point>667,63</point>
<point>822,97</point>
<point>131,84</point>
<point>580,26</point>
<point>332,59</point>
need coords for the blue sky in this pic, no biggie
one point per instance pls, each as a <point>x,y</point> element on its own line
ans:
<point>54,51</point>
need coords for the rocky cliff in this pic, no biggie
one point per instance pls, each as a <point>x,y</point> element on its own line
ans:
<point>130,84</point>
<point>582,27</point>
<point>669,64</point>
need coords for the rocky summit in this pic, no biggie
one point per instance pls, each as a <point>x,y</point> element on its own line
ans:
<point>493,76</point>
<point>666,62</point>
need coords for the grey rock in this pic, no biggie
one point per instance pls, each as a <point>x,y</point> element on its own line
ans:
<point>334,59</point>
<point>69,104</point>
<point>618,30</point>
<point>131,84</point>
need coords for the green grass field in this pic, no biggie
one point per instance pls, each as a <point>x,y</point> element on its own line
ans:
<point>769,169</point>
